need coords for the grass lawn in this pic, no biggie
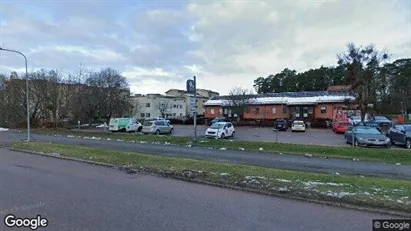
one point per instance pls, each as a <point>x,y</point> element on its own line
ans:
<point>365,191</point>
<point>366,154</point>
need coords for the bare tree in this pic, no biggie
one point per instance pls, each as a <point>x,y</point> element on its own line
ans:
<point>362,64</point>
<point>163,107</point>
<point>239,99</point>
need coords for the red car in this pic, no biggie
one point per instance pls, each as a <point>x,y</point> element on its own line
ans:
<point>341,126</point>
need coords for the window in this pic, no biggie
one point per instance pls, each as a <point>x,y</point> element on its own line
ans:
<point>257,110</point>
<point>175,106</point>
<point>229,112</point>
<point>148,115</point>
<point>220,111</point>
<point>310,110</point>
<point>181,114</point>
<point>174,114</point>
<point>274,110</point>
<point>142,115</point>
<point>212,111</point>
<point>323,110</point>
<point>284,109</point>
<point>181,106</point>
<point>225,111</point>
<point>148,105</point>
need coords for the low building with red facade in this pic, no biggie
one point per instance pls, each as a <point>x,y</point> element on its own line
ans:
<point>330,105</point>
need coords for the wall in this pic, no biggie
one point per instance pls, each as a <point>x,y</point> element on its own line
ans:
<point>177,111</point>
<point>265,112</point>
<point>209,115</point>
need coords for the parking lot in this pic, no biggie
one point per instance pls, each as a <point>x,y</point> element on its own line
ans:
<point>311,136</point>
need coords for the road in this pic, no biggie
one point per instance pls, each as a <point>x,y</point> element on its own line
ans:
<point>77,196</point>
<point>290,162</point>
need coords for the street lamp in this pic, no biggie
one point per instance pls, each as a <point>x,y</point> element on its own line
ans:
<point>27,90</point>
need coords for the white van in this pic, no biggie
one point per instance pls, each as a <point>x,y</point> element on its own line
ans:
<point>124,125</point>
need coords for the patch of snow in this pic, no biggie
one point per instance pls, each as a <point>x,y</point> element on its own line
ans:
<point>355,159</point>
<point>284,180</point>
<point>203,141</point>
<point>189,146</point>
<point>398,163</point>
<point>261,149</point>
<point>70,136</point>
<point>310,184</point>
<point>337,173</point>
<point>308,155</point>
<point>4,129</point>
<point>108,139</point>
<point>223,149</point>
<point>224,174</point>
<point>143,142</point>
<point>120,140</point>
<point>255,177</point>
<point>242,149</point>
<point>338,194</point>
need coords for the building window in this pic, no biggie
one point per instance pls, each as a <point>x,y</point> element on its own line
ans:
<point>284,109</point>
<point>174,114</point>
<point>212,111</point>
<point>181,106</point>
<point>142,115</point>
<point>174,106</point>
<point>323,110</point>
<point>181,114</point>
<point>274,110</point>
<point>310,110</point>
<point>225,111</point>
<point>257,110</point>
<point>220,111</point>
<point>148,115</point>
<point>147,104</point>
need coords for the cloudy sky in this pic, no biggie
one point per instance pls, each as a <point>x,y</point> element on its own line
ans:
<point>226,44</point>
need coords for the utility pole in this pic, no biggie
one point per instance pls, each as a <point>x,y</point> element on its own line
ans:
<point>27,90</point>
<point>195,108</point>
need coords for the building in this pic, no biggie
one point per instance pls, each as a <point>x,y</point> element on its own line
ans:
<point>332,104</point>
<point>156,105</point>
<point>203,96</point>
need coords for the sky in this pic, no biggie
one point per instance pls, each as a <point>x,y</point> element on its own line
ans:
<point>157,45</point>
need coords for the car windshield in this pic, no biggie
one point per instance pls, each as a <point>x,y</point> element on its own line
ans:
<point>380,118</point>
<point>407,128</point>
<point>217,126</point>
<point>368,131</point>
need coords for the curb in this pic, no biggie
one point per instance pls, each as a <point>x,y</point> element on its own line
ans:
<point>285,196</point>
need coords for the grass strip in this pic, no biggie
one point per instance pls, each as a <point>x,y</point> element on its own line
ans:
<point>367,154</point>
<point>361,191</point>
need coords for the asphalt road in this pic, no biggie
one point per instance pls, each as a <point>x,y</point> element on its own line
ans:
<point>290,162</point>
<point>77,196</point>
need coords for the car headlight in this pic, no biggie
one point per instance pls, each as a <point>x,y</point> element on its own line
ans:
<point>387,140</point>
<point>360,138</point>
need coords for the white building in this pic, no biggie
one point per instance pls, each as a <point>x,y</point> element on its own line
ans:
<point>202,97</point>
<point>156,105</point>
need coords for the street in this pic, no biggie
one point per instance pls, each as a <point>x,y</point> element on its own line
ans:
<point>77,196</point>
<point>290,162</point>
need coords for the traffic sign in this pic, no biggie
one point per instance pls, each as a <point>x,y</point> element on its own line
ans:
<point>190,86</point>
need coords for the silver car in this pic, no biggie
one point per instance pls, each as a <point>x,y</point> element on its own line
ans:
<point>157,127</point>
<point>366,136</point>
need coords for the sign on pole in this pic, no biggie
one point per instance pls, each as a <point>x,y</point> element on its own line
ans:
<point>191,86</point>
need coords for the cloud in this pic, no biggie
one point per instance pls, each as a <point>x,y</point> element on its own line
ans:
<point>226,44</point>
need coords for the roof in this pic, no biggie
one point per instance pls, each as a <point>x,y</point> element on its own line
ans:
<point>289,98</point>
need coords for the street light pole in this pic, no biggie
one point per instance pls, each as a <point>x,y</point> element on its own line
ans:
<point>27,89</point>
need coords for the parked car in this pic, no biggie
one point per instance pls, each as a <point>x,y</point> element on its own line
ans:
<point>220,130</point>
<point>281,125</point>
<point>366,136</point>
<point>124,125</point>
<point>298,125</point>
<point>160,119</point>
<point>341,126</point>
<point>157,127</point>
<point>401,134</point>
<point>219,119</point>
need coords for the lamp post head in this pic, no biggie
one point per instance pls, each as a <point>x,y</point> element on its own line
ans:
<point>1,48</point>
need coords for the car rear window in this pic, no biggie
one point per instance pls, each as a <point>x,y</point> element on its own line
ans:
<point>148,123</point>
<point>298,122</point>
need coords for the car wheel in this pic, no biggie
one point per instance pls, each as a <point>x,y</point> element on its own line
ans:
<point>408,143</point>
<point>123,130</point>
<point>222,136</point>
<point>157,132</point>
<point>233,134</point>
<point>171,131</point>
<point>140,128</point>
